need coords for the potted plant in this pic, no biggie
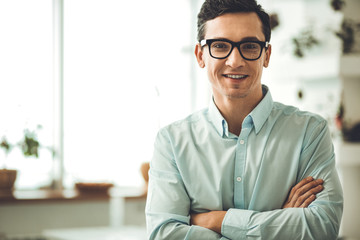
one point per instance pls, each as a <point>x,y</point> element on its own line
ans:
<point>305,41</point>
<point>7,176</point>
<point>29,146</point>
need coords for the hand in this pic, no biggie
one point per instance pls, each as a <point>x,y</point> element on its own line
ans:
<point>211,220</point>
<point>303,193</point>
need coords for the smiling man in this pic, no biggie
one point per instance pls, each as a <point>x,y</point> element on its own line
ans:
<point>246,167</point>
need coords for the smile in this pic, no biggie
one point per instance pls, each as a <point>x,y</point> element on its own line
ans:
<point>235,76</point>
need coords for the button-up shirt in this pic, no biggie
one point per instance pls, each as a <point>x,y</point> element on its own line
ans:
<point>199,166</point>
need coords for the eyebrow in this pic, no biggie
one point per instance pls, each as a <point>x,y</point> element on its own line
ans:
<point>250,39</point>
<point>244,39</point>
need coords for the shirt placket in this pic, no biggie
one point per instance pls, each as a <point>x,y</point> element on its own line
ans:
<point>240,162</point>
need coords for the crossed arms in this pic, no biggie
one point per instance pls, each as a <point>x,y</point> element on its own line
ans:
<point>295,221</point>
<point>300,196</point>
<point>312,209</point>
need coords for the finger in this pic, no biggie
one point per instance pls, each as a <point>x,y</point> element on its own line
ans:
<point>295,189</point>
<point>301,196</point>
<point>299,185</point>
<point>308,201</point>
<point>308,186</point>
<point>306,195</point>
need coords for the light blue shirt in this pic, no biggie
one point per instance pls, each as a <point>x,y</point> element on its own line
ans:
<point>199,166</point>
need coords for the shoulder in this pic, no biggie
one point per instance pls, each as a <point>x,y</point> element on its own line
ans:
<point>302,128</point>
<point>307,124</point>
<point>188,124</point>
<point>296,116</point>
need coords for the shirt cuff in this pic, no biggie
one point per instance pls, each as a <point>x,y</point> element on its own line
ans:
<point>236,224</point>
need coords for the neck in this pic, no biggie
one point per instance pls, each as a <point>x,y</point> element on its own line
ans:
<point>234,110</point>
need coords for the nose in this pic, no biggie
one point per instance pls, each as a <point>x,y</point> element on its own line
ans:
<point>235,59</point>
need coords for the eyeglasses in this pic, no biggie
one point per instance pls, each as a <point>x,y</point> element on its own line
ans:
<point>222,48</point>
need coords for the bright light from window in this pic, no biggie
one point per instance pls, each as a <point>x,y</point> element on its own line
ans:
<point>26,85</point>
<point>125,62</point>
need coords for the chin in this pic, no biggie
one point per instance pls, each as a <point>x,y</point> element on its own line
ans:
<point>236,95</point>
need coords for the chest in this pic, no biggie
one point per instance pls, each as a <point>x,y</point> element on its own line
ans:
<point>249,172</point>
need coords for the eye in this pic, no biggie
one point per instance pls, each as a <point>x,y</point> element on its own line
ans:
<point>250,46</point>
<point>220,46</point>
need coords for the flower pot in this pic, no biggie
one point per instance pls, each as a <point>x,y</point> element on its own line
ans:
<point>7,181</point>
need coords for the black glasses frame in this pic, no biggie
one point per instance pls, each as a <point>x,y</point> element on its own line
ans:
<point>234,44</point>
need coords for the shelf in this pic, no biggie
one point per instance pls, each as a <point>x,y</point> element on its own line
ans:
<point>127,193</point>
<point>21,196</point>
<point>350,65</point>
<point>349,154</point>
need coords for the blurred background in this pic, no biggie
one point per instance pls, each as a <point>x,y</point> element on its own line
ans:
<point>86,84</point>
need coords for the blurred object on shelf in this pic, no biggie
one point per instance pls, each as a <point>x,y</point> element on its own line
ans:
<point>93,188</point>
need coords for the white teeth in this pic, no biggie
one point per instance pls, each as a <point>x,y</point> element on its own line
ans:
<point>236,76</point>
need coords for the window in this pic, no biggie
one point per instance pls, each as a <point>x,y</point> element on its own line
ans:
<point>26,92</point>
<point>126,73</point>
<point>129,69</point>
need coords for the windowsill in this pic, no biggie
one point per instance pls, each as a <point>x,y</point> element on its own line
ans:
<point>21,196</point>
<point>67,195</point>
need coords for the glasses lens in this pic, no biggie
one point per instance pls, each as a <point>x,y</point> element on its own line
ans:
<point>250,50</point>
<point>220,49</point>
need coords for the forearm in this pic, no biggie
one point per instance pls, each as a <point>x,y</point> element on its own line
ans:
<point>181,231</point>
<point>167,209</point>
<point>319,220</point>
<point>315,222</point>
<point>300,196</point>
<point>211,220</point>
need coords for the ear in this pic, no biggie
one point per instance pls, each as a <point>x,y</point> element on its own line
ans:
<point>267,56</point>
<point>199,55</point>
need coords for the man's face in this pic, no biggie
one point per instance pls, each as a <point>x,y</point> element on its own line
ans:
<point>234,77</point>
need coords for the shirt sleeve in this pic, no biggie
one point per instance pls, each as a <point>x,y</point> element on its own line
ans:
<point>168,204</point>
<point>320,220</point>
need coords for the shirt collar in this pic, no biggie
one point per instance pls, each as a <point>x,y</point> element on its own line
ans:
<point>217,119</point>
<point>262,111</point>
<point>258,115</point>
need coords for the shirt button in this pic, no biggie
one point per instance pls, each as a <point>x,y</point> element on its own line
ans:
<point>242,141</point>
<point>238,179</point>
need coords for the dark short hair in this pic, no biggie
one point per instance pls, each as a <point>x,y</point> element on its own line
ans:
<point>214,8</point>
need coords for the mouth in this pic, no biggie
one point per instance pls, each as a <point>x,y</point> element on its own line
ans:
<point>235,76</point>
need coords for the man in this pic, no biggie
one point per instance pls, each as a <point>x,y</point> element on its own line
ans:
<point>246,167</point>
